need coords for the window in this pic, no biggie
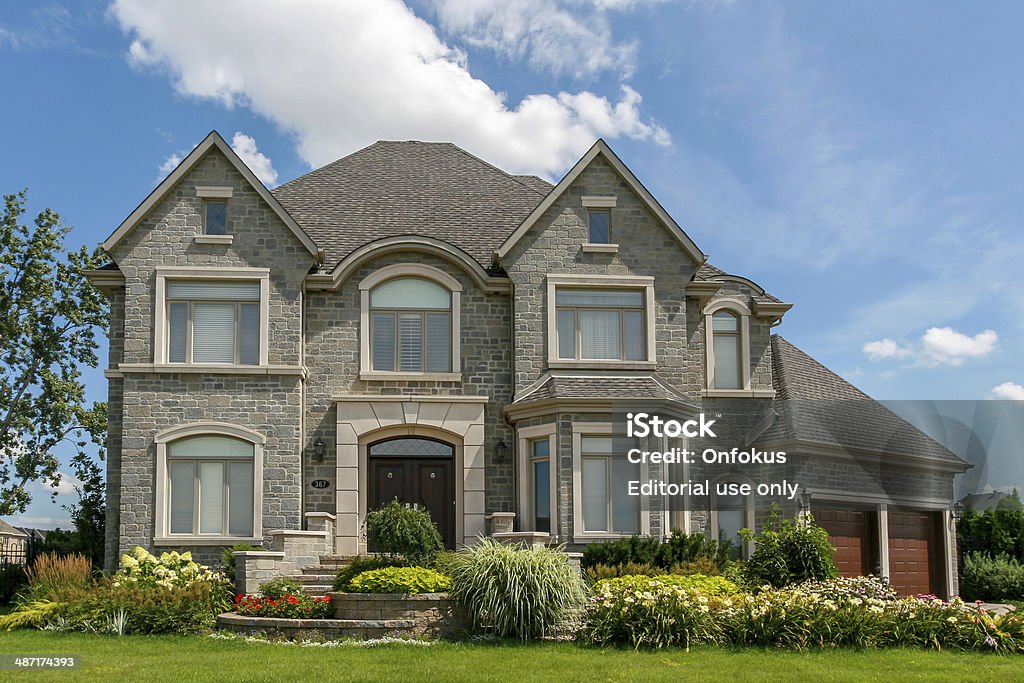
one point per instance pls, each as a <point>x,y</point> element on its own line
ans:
<point>725,326</point>
<point>213,322</point>
<point>595,324</point>
<point>210,482</point>
<point>730,513</point>
<point>599,224</point>
<point>728,348</point>
<point>540,484</point>
<point>215,218</point>
<point>607,505</point>
<point>411,326</point>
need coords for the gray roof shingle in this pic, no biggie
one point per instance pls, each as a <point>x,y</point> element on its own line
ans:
<point>410,188</point>
<point>815,404</point>
<point>645,387</point>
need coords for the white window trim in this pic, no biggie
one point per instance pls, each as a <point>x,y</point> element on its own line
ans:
<point>641,282</point>
<point>741,311</point>
<point>749,519</point>
<point>366,371</point>
<point>526,436</point>
<point>161,331</point>
<point>162,517</point>
<point>579,430</point>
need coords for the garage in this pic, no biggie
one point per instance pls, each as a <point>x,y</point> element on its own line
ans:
<point>852,534</point>
<point>914,552</point>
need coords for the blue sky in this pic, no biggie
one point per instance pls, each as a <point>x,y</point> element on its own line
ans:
<point>860,160</point>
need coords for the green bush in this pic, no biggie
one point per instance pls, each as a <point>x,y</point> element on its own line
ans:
<point>679,548</point>
<point>705,585</point>
<point>407,580</point>
<point>789,551</point>
<point>279,587</point>
<point>408,532</point>
<point>514,591</point>
<point>995,531</point>
<point>358,565</point>
<point>983,577</point>
<point>604,571</point>
<point>12,580</point>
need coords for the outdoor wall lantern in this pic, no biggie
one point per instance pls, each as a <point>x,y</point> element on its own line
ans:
<point>805,499</point>
<point>958,510</point>
<point>319,448</point>
<point>500,451</point>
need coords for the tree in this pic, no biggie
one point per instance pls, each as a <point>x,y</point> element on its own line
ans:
<point>49,315</point>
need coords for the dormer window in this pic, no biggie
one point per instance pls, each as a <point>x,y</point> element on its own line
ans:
<point>727,327</point>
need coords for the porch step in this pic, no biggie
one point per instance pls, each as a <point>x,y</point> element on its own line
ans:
<point>336,560</point>
<point>323,577</point>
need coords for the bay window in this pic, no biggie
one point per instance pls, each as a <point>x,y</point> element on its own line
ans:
<point>605,476</point>
<point>540,484</point>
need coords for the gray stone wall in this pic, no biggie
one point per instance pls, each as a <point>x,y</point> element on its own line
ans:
<point>115,412</point>
<point>332,356</point>
<point>155,401</point>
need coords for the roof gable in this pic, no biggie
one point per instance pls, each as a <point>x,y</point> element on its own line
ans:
<point>601,148</point>
<point>213,140</point>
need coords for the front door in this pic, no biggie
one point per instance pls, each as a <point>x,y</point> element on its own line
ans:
<point>416,471</point>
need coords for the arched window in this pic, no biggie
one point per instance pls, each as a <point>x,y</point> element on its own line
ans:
<point>208,483</point>
<point>411,326</point>
<point>725,326</point>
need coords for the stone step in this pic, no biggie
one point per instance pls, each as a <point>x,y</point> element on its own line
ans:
<point>312,578</point>
<point>317,589</point>
<point>321,569</point>
<point>336,560</point>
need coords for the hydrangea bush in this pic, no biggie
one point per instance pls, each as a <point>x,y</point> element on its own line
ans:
<point>170,570</point>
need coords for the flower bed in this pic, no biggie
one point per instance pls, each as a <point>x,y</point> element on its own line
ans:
<point>299,606</point>
<point>661,613</point>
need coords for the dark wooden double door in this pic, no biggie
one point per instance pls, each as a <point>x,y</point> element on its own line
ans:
<point>415,471</point>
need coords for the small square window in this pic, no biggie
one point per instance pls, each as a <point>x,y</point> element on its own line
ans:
<point>216,218</point>
<point>599,223</point>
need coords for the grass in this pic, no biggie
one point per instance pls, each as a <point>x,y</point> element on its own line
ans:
<point>195,658</point>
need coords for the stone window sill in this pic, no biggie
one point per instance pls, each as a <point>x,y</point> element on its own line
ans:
<point>210,369</point>
<point>566,364</point>
<point>213,239</point>
<point>206,540</point>
<point>591,248</point>
<point>738,393</point>
<point>411,376</point>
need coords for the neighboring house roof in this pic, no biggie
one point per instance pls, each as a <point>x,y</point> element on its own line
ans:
<point>983,501</point>
<point>213,140</point>
<point>391,189</point>
<point>601,148</point>
<point>817,406</point>
<point>9,530</point>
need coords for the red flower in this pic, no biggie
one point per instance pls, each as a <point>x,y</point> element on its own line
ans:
<point>239,598</point>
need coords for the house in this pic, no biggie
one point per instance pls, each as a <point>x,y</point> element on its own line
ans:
<point>12,544</point>
<point>411,322</point>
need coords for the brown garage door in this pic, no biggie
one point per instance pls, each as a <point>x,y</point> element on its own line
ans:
<point>913,552</point>
<point>851,533</point>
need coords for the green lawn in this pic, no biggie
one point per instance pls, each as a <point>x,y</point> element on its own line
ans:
<point>178,659</point>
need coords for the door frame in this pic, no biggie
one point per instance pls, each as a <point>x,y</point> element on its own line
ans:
<point>421,431</point>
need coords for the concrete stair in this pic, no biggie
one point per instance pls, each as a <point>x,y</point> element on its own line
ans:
<point>319,579</point>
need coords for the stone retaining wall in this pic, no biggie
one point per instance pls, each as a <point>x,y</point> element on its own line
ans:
<point>332,629</point>
<point>430,613</point>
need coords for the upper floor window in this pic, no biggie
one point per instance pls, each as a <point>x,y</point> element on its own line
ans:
<point>601,324</point>
<point>411,326</point>
<point>213,322</point>
<point>728,346</point>
<point>215,219</point>
<point>599,225</point>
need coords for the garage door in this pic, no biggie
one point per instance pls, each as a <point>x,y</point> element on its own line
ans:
<point>851,534</point>
<point>913,552</point>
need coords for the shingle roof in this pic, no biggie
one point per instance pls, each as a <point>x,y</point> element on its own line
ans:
<point>644,387</point>
<point>815,404</point>
<point>708,272</point>
<point>410,188</point>
<point>10,530</point>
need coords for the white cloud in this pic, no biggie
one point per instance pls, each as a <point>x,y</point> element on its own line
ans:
<point>258,163</point>
<point>1010,391</point>
<point>944,345</point>
<point>341,75</point>
<point>169,164</point>
<point>550,36</point>
<point>66,486</point>
<point>938,346</point>
<point>40,522</point>
<point>885,349</point>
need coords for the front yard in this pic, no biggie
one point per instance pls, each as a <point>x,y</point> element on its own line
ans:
<point>200,658</point>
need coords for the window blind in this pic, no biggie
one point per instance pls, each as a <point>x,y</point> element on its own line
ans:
<point>439,349</point>
<point>595,494</point>
<point>213,333</point>
<point>211,497</point>
<point>182,496</point>
<point>214,291</point>
<point>599,334</point>
<point>382,327</point>
<point>727,361</point>
<point>240,498</point>
<point>410,342</point>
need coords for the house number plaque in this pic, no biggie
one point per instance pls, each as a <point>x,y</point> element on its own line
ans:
<point>320,483</point>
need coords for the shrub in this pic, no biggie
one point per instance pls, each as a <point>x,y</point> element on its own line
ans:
<point>408,532</point>
<point>401,580</point>
<point>514,591</point>
<point>840,588</point>
<point>788,552</point>
<point>647,550</point>
<point>279,587</point>
<point>51,573</point>
<point>12,579</point>
<point>290,606</point>
<point>358,565</point>
<point>984,577</point>
<point>705,585</point>
<point>700,565</point>
<point>604,571</point>
<point>170,570</point>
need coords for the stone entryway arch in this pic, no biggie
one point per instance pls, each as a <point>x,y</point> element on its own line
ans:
<point>363,420</point>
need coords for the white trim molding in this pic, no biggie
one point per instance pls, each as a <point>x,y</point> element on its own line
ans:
<point>207,192</point>
<point>208,273</point>
<point>524,437</point>
<point>739,309</point>
<point>412,270</point>
<point>161,518</point>
<point>213,239</point>
<point>599,202</point>
<point>641,282</point>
